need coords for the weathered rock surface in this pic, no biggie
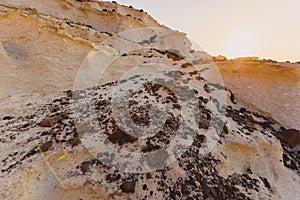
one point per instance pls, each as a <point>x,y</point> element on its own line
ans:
<point>248,160</point>
<point>43,44</point>
<point>57,145</point>
<point>267,86</point>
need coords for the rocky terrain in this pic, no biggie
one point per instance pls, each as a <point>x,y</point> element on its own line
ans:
<point>100,101</point>
<point>265,86</point>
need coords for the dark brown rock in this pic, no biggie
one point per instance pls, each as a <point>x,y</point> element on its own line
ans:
<point>49,122</point>
<point>184,189</point>
<point>46,146</point>
<point>186,65</point>
<point>224,130</point>
<point>206,88</point>
<point>7,118</point>
<point>204,123</point>
<point>291,137</point>
<point>121,137</point>
<point>85,166</point>
<point>128,186</point>
<point>174,54</point>
<point>74,141</point>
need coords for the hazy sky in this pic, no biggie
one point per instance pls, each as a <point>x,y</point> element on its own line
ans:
<point>234,28</point>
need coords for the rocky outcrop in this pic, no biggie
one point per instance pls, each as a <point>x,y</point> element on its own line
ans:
<point>265,86</point>
<point>93,108</point>
<point>53,39</point>
<point>247,161</point>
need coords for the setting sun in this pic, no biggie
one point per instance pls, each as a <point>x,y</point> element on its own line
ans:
<point>266,29</point>
<point>241,43</point>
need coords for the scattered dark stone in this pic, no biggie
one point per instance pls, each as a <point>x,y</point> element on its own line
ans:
<point>120,137</point>
<point>204,123</point>
<point>54,109</point>
<point>206,88</point>
<point>224,130</point>
<point>291,159</point>
<point>48,132</point>
<point>128,186</point>
<point>8,118</point>
<point>30,153</point>
<point>202,99</point>
<point>177,106</point>
<point>74,141</point>
<point>69,93</point>
<point>140,115</point>
<point>172,54</point>
<point>200,168</point>
<point>291,137</point>
<point>184,189</point>
<point>109,34</point>
<point>89,26</point>
<point>46,146</point>
<point>193,73</point>
<point>266,183</point>
<point>49,122</point>
<point>132,102</point>
<point>25,125</point>
<point>249,171</point>
<point>243,110</point>
<point>148,175</point>
<point>199,140</point>
<point>186,65</point>
<point>112,177</point>
<point>85,166</point>
<point>150,147</point>
<point>144,187</point>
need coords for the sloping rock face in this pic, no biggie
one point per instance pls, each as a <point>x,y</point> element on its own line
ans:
<point>266,86</point>
<point>55,151</point>
<point>52,39</point>
<point>142,115</point>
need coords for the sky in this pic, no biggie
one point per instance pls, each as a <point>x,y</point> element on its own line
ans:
<point>233,28</point>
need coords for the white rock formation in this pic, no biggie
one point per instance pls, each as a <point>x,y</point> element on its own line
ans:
<point>65,145</point>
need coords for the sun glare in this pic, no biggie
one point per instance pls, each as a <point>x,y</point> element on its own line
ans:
<point>241,43</point>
